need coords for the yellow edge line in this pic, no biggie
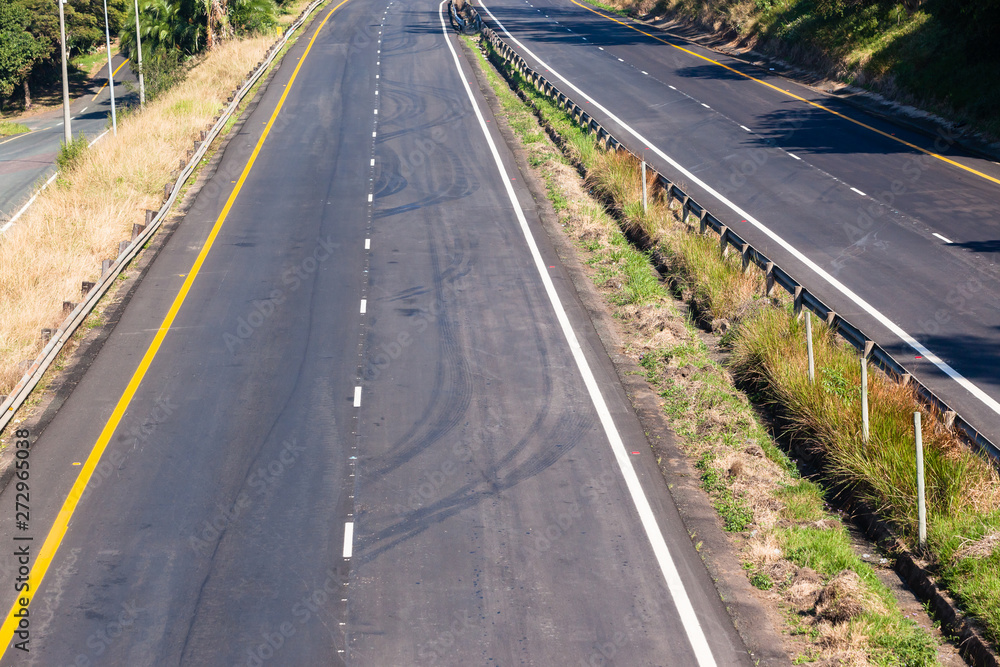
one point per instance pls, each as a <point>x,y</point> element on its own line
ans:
<point>53,540</point>
<point>797,97</point>
<point>112,76</point>
<point>16,136</point>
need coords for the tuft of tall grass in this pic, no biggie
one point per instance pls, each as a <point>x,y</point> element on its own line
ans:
<point>717,285</point>
<point>8,128</point>
<point>770,353</point>
<point>70,153</point>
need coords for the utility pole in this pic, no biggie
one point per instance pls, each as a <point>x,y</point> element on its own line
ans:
<point>138,50</point>
<point>111,72</point>
<point>67,130</point>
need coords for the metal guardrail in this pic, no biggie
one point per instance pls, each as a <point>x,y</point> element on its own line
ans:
<point>111,269</point>
<point>465,26</point>
<point>730,240</point>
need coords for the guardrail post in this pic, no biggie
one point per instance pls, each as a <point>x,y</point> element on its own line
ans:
<point>797,301</point>
<point>85,288</point>
<point>122,247</point>
<point>684,209</point>
<point>864,399</point>
<point>723,241</point>
<point>921,506</point>
<point>745,255</point>
<point>46,336</point>
<point>105,267</point>
<point>166,191</point>
<point>137,229</point>
<point>645,209</point>
<point>768,279</point>
<point>703,221</point>
<point>904,379</point>
<point>809,348</point>
<point>68,307</point>
<point>949,418</point>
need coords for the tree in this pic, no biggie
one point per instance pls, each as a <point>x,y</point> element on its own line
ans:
<point>19,50</point>
<point>163,26</point>
<point>249,17</point>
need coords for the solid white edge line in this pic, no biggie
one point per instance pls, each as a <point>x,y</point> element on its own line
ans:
<point>99,137</point>
<point>31,201</point>
<point>348,539</point>
<point>943,238</point>
<point>685,610</point>
<point>364,306</point>
<point>357,397</point>
<point>859,192</point>
<point>961,380</point>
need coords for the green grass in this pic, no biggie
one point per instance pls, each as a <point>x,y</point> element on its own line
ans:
<point>716,285</point>
<point>70,154</point>
<point>7,129</point>
<point>803,501</point>
<point>762,581</point>
<point>85,61</point>
<point>610,8</point>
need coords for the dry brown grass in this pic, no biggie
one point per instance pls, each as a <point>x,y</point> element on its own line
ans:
<point>79,222</point>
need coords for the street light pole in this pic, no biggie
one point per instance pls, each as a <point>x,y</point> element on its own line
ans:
<point>138,49</point>
<point>67,130</point>
<point>111,72</point>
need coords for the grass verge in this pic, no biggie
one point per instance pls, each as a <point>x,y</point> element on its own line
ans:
<point>7,129</point>
<point>793,546</point>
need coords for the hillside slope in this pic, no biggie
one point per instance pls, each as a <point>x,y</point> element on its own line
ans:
<point>941,55</point>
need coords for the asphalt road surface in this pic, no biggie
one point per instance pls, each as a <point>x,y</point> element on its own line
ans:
<point>368,421</point>
<point>902,242</point>
<point>27,160</point>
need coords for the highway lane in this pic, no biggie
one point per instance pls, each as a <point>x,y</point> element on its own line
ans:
<point>908,233</point>
<point>27,160</point>
<point>363,437</point>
